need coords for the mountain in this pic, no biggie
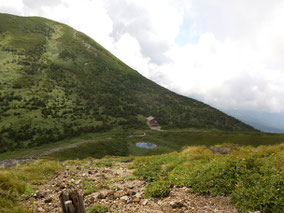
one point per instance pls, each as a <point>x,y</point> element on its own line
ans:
<point>264,121</point>
<point>56,82</point>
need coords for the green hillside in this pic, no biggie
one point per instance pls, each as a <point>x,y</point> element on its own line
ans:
<point>56,82</point>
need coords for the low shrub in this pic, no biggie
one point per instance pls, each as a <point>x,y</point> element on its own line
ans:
<point>126,159</point>
<point>150,168</point>
<point>216,177</point>
<point>105,163</point>
<point>260,192</point>
<point>92,187</point>
<point>252,178</point>
<point>157,189</point>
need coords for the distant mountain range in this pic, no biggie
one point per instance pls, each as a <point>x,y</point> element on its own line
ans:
<point>56,82</point>
<point>264,121</point>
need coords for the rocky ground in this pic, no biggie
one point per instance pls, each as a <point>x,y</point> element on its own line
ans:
<point>116,188</point>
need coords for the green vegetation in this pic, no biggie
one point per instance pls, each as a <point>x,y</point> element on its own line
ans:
<point>157,189</point>
<point>92,187</point>
<point>98,208</point>
<point>57,83</point>
<point>99,149</point>
<point>166,141</point>
<point>91,137</point>
<point>101,164</point>
<point>252,177</point>
<point>16,184</point>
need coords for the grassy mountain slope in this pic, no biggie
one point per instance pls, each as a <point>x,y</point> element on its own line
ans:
<point>56,82</point>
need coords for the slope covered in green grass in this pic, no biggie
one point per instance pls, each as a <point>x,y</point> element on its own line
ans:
<point>56,82</point>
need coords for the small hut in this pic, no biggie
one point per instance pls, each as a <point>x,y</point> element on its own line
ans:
<point>152,121</point>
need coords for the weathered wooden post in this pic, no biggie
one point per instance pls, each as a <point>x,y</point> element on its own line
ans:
<point>72,202</point>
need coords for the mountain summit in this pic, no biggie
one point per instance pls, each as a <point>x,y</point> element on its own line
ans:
<point>56,82</point>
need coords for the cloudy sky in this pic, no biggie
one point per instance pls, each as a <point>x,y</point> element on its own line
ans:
<point>227,53</point>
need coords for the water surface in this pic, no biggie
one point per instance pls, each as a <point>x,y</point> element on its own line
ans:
<point>146,145</point>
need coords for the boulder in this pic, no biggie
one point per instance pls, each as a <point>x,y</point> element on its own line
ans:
<point>39,194</point>
<point>136,200</point>
<point>105,193</point>
<point>145,202</point>
<point>176,204</point>
<point>126,199</point>
<point>48,200</point>
<point>221,150</point>
<point>130,192</point>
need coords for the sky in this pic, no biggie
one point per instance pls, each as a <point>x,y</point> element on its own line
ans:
<point>227,53</point>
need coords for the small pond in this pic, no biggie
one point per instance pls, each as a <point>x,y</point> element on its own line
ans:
<point>146,145</point>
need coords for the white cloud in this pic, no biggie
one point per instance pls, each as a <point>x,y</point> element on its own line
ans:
<point>230,53</point>
<point>154,31</point>
<point>41,3</point>
<point>128,49</point>
<point>12,6</point>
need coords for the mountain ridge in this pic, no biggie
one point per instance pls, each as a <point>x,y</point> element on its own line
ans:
<point>57,82</point>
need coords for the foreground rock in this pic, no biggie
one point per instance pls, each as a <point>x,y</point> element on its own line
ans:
<point>221,150</point>
<point>176,204</point>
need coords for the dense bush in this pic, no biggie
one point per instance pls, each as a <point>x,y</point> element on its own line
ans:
<point>260,192</point>
<point>253,178</point>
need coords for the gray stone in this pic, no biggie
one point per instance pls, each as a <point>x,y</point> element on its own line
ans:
<point>39,194</point>
<point>138,195</point>
<point>48,200</point>
<point>144,203</point>
<point>105,193</point>
<point>176,204</point>
<point>221,150</point>
<point>126,199</point>
<point>40,209</point>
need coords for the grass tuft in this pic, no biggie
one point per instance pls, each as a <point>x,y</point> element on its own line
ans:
<point>98,208</point>
<point>103,163</point>
<point>18,184</point>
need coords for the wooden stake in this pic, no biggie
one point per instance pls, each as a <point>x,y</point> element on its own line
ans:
<point>72,202</point>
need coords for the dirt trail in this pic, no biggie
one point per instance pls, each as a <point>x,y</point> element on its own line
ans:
<point>74,34</point>
<point>114,187</point>
<point>134,136</point>
<point>14,162</point>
